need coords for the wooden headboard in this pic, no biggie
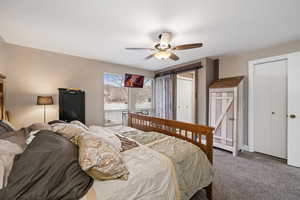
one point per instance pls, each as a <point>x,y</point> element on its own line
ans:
<point>202,136</point>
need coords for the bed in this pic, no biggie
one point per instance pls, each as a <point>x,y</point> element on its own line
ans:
<point>170,167</point>
<point>171,160</point>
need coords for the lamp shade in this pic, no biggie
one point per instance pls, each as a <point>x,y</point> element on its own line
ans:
<point>44,100</point>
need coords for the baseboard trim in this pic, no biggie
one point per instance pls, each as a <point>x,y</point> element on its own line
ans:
<point>244,147</point>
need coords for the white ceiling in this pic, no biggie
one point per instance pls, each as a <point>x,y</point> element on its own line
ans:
<point>101,29</point>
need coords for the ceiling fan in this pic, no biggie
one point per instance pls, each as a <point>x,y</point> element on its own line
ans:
<point>164,50</point>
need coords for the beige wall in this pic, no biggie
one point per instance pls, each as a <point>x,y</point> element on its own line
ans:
<point>2,57</point>
<point>32,72</point>
<point>236,65</point>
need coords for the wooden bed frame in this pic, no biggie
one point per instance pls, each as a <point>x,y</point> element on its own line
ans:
<point>201,136</point>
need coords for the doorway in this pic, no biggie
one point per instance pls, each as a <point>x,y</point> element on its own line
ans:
<point>269,107</point>
<point>185,97</point>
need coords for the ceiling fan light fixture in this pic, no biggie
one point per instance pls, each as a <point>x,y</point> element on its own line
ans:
<point>165,39</point>
<point>162,55</point>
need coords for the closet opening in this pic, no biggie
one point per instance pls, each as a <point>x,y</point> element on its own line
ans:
<point>268,108</point>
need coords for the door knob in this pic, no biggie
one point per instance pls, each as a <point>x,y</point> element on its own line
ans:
<point>273,113</point>
<point>292,116</point>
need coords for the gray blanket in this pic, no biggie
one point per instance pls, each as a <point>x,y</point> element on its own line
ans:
<point>47,170</point>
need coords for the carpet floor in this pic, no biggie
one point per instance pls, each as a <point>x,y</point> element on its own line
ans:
<point>253,176</point>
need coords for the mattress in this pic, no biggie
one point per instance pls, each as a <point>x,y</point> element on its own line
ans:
<point>162,167</point>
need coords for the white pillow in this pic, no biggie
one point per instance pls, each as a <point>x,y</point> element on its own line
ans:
<point>68,130</point>
<point>106,136</point>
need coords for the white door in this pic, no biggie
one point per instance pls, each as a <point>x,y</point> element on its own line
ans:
<point>270,131</point>
<point>184,100</point>
<point>294,109</point>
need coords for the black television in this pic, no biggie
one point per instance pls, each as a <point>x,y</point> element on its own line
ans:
<point>134,81</point>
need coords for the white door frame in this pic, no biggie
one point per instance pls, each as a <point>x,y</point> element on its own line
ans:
<point>251,65</point>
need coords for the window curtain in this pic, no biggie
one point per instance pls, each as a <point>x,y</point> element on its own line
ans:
<point>164,97</point>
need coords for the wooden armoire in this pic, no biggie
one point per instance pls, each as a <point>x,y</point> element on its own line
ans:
<point>226,113</point>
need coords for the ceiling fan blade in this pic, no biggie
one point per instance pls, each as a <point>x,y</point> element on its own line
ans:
<point>140,49</point>
<point>187,46</point>
<point>150,56</point>
<point>174,57</point>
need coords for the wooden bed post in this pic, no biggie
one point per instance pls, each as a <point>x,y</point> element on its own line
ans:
<point>209,146</point>
<point>129,120</point>
<point>209,143</point>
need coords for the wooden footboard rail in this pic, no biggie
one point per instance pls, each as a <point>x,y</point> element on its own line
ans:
<point>202,136</point>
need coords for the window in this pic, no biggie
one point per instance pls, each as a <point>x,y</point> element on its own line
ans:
<point>144,97</point>
<point>115,99</point>
<point>118,100</point>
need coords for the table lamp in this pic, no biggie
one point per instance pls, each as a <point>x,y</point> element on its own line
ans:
<point>44,100</point>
